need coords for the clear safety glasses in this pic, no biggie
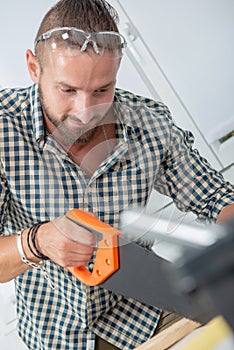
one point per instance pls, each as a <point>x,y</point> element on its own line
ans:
<point>74,38</point>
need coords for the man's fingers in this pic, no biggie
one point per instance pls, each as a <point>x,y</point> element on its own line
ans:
<point>75,232</point>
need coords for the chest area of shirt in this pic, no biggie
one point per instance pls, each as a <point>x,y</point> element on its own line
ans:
<point>47,183</point>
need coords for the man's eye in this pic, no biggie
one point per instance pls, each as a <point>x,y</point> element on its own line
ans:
<point>67,91</point>
<point>100,91</point>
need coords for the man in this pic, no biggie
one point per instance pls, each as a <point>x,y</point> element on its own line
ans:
<point>73,140</point>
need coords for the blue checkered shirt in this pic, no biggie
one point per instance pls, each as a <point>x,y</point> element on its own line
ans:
<point>40,182</point>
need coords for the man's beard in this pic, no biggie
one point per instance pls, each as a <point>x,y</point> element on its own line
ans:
<point>75,135</point>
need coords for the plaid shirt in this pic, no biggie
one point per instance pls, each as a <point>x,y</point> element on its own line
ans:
<point>40,182</point>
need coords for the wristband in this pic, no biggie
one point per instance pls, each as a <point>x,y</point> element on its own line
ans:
<point>21,251</point>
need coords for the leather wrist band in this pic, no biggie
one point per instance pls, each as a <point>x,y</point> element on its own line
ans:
<point>31,241</point>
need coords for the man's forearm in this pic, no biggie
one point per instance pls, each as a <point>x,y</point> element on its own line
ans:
<point>11,264</point>
<point>226,213</point>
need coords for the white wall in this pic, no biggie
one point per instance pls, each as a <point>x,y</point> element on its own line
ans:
<point>193,41</point>
<point>19,21</point>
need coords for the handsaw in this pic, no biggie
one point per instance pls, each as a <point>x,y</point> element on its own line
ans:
<point>126,268</point>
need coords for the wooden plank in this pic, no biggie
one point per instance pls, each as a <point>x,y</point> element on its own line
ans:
<point>171,335</point>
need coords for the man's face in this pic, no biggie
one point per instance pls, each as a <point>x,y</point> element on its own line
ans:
<point>76,93</point>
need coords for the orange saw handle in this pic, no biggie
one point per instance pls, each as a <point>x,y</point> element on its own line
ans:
<point>107,259</point>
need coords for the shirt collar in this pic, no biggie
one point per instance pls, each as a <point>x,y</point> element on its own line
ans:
<point>124,113</point>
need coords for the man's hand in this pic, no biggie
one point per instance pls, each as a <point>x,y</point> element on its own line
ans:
<point>65,242</point>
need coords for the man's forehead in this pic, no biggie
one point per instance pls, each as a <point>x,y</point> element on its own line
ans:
<point>82,62</point>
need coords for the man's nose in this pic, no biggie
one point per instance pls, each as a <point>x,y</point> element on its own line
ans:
<point>83,108</point>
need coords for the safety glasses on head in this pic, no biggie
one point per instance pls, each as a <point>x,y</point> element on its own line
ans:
<point>77,39</point>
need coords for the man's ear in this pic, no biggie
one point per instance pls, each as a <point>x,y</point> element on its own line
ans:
<point>33,66</point>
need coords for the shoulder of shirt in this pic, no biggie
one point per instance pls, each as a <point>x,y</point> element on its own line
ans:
<point>135,102</point>
<point>13,101</point>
